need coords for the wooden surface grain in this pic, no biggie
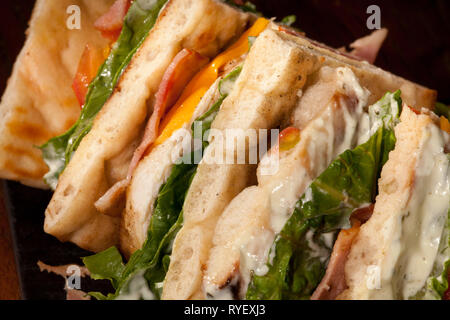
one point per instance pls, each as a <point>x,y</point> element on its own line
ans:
<point>9,281</point>
<point>13,23</point>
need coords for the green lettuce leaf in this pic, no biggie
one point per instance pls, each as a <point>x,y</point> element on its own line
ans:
<point>440,285</point>
<point>289,20</point>
<point>152,261</point>
<point>301,251</point>
<point>111,271</point>
<point>139,20</point>
<point>246,6</point>
<point>442,110</point>
<point>386,112</point>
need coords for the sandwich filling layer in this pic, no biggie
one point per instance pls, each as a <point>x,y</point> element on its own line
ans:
<point>271,203</point>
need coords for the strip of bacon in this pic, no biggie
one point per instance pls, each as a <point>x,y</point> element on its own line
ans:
<point>110,24</point>
<point>367,48</point>
<point>61,270</point>
<point>184,66</point>
<point>182,69</point>
<point>334,283</point>
<point>71,294</point>
<point>75,294</point>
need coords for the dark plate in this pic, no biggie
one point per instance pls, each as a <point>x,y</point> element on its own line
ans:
<point>26,207</point>
<point>418,48</point>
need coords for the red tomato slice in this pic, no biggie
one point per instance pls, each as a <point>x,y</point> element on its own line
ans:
<point>110,24</point>
<point>414,110</point>
<point>289,138</point>
<point>90,61</point>
<point>111,35</point>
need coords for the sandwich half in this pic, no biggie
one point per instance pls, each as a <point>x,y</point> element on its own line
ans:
<point>100,153</point>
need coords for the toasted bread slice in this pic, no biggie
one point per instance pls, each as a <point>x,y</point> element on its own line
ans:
<point>38,102</point>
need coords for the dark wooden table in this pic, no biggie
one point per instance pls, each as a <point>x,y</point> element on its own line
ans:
<point>14,16</point>
<point>9,281</point>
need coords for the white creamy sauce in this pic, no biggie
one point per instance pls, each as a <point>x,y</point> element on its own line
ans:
<point>317,251</point>
<point>137,289</point>
<point>364,129</point>
<point>328,239</point>
<point>53,165</point>
<point>370,123</point>
<point>284,194</point>
<point>348,82</point>
<point>213,292</point>
<point>220,294</point>
<point>443,253</point>
<point>443,256</point>
<point>254,256</point>
<point>412,255</point>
